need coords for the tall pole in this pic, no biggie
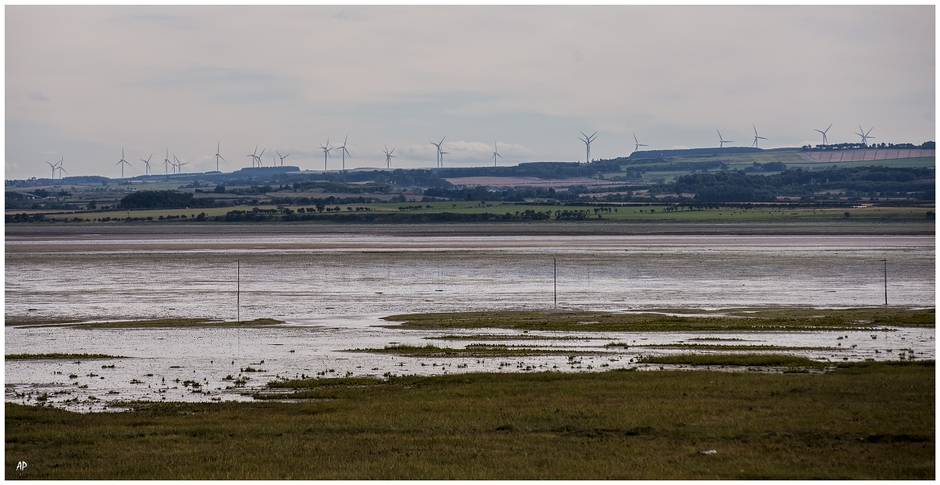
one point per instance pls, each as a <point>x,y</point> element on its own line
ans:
<point>885,261</point>
<point>238,294</point>
<point>555,280</point>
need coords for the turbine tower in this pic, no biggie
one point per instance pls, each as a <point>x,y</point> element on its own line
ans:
<point>864,134</point>
<point>638,144</point>
<point>344,151</point>
<point>439,156</point>
<point>217,157</point>
<point>147,164</point>
<point>722,141</point>
<point>389,157</point>
<point>122,162</point>
<point>495,153</point>
<point>587,143</point>
<point>825,139</point>
<point>326,152</point>
<point>282,157</point>
<point>757,137</point>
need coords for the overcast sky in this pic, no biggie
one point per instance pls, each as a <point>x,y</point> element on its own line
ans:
<point>83,82</point>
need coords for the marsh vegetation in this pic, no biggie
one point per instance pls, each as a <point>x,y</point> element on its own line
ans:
<point>670,320</point>
<point>864,421</point>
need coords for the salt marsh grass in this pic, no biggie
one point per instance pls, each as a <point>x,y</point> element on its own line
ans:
<point>871,421</point>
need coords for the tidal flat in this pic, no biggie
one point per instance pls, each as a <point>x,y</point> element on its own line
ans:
<point>166,301</point>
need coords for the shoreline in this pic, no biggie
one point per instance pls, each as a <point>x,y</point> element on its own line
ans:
<point>598,228</point>
<point>60,238</point>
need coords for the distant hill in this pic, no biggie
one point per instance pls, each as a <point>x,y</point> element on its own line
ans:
<point>265,171</point>
<point>695,152</point>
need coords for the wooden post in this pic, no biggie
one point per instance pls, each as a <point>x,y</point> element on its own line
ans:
<point>885,261</point>
<point>555,281</point>
<point>238,294</point>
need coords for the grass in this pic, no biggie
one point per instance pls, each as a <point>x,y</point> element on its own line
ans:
<point>472,350</point>
<point>763,348</point>
<point>181,322</point>
<point>725,320</point>
<point>38,321</point>
<point>60,356</point>
<point>872,421</point>
<point>750,360</point>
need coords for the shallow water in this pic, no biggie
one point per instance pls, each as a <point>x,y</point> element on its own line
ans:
<point>331,291</point>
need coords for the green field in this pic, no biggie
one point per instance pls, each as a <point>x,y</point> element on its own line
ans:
<point>741,161</point>
<point>866,421</point>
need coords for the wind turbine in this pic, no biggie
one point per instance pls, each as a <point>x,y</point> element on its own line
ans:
<point>638,144</point>
<point>147,164</point>
<point>825,139</point>
<point>495,153</point>
<point>61,168</point>
<point>179,164</point>
<point>757,137</point>
<point>389,157</point>
<point>54,166</point>
<point>439,156</point>
<point>587,143</point>
<point>442,157</point>
<point>862,133</point>
<point>344,151</point>
<point>722,141</point>
<point>122,162</point>
<point>58,166</point>
<point>217,156</point>
<point>255,156</point>
<point>282,157</point>
<point>326,152</point>
<point>166,161</point>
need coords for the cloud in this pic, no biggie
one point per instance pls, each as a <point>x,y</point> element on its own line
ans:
<point>529,77</point>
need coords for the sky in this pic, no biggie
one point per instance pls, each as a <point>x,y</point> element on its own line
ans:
<point>84,82</point>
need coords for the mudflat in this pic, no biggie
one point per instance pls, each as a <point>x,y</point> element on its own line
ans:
<point>91,237</point>
<point>600,228</point>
